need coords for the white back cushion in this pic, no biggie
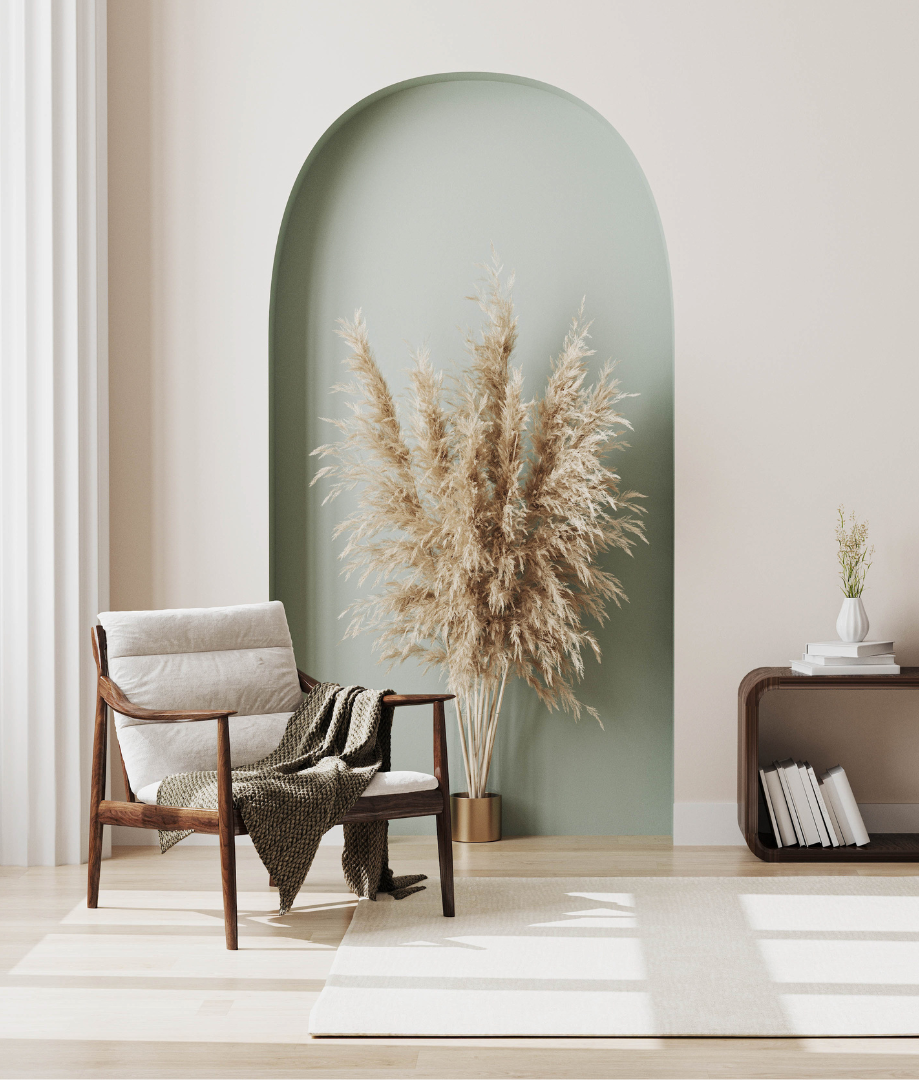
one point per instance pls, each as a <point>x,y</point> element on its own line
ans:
<point>235,658</point>
<point>152,752</point>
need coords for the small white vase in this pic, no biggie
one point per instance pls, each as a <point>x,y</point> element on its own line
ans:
<point>852,624</point>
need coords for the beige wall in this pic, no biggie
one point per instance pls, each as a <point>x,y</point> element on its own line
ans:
<point>778,140</point>
<point>831,728</point>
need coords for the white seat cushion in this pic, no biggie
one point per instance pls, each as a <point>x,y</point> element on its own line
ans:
<point>399,783</point>
<point>390,783</point>
<point>235,658</point>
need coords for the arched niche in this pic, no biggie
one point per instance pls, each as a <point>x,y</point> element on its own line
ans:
<point>393,209</point>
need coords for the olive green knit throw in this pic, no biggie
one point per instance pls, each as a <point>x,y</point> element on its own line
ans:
<point>333,745</point>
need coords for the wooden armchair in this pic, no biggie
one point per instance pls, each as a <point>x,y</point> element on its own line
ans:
<point>165,656</point>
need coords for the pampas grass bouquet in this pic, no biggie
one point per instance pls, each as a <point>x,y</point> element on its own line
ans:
<point>481,515</point>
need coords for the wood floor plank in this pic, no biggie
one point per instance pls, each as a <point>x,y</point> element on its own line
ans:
<point>76,1058</point>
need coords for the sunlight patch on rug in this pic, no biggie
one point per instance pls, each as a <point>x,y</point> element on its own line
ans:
<point>756,957</point>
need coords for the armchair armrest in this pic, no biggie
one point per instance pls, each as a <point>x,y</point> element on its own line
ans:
<point>112,695</point>
<point>415,699</point>
<point>307,683</point>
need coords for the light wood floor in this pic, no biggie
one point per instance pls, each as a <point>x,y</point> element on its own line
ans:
<point>138,989</point>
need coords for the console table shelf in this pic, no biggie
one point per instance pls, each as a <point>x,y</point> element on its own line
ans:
<point>884,847</point>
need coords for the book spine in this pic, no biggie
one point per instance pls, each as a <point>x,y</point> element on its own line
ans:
<point>775,826</point>
<point>814,808</point>
<point>805,817</point>
<point>802,668</point>
<point>808,668</point>
<point>828,800</point>
<point>790,803</point>
<point>780,806</point>
<point>848,661</point>
<point>831,831</point>
<point>829,785</point>
<point>849,805</point>
<point>840,648</point>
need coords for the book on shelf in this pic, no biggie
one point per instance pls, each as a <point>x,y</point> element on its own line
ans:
<point>807,810</point>
<point>782,828</point>
<point>822,831</point>
<point>849,661</point>
<point>804,667</point>
<point>849,648</point>
<point>846,806</point>
<point>795,786</point>
<point>775,825</point>
<point>821,805</point>
<point>837,824</point>
<point>790,804</point>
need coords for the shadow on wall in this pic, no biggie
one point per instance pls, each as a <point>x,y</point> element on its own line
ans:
<point>395,207</point>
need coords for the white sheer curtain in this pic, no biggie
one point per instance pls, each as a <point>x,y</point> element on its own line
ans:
<point>53,417</point>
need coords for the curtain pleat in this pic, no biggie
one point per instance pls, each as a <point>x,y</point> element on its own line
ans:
<point>53,418</point>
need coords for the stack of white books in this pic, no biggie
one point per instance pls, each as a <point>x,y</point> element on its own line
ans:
<point>806,810</point>
<point>848,658</point>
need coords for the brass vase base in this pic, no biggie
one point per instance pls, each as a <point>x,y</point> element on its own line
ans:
<point>476,821</point>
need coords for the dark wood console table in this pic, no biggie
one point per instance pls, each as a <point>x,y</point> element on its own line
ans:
<point>884,847</point>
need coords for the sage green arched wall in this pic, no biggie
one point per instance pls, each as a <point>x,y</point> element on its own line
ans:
<point>391,212</point>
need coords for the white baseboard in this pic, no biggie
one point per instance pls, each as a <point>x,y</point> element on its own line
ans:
<point>706,823</point>
<point>716,823</point>
<point>123,836</point>
<point>890,817</point>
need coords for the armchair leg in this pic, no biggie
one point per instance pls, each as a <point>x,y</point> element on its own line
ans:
<point>97,791</point>
<point>95,862</point>
<point>445,854</point>
<point>444,825</point>
<point>228,877</point>
<point>226,832</point>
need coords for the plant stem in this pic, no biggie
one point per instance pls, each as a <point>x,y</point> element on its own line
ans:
<point>478,706</point>
<point>462,734</point>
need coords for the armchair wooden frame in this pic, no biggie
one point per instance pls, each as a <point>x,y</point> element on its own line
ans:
<point>225,821</point>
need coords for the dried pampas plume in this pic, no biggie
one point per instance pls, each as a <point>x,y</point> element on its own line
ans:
<point>479,528</point>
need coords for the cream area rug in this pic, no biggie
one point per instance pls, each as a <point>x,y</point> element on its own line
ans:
<point>801,956</point>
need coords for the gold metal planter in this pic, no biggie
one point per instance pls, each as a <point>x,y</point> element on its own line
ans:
<point>476,821</point>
